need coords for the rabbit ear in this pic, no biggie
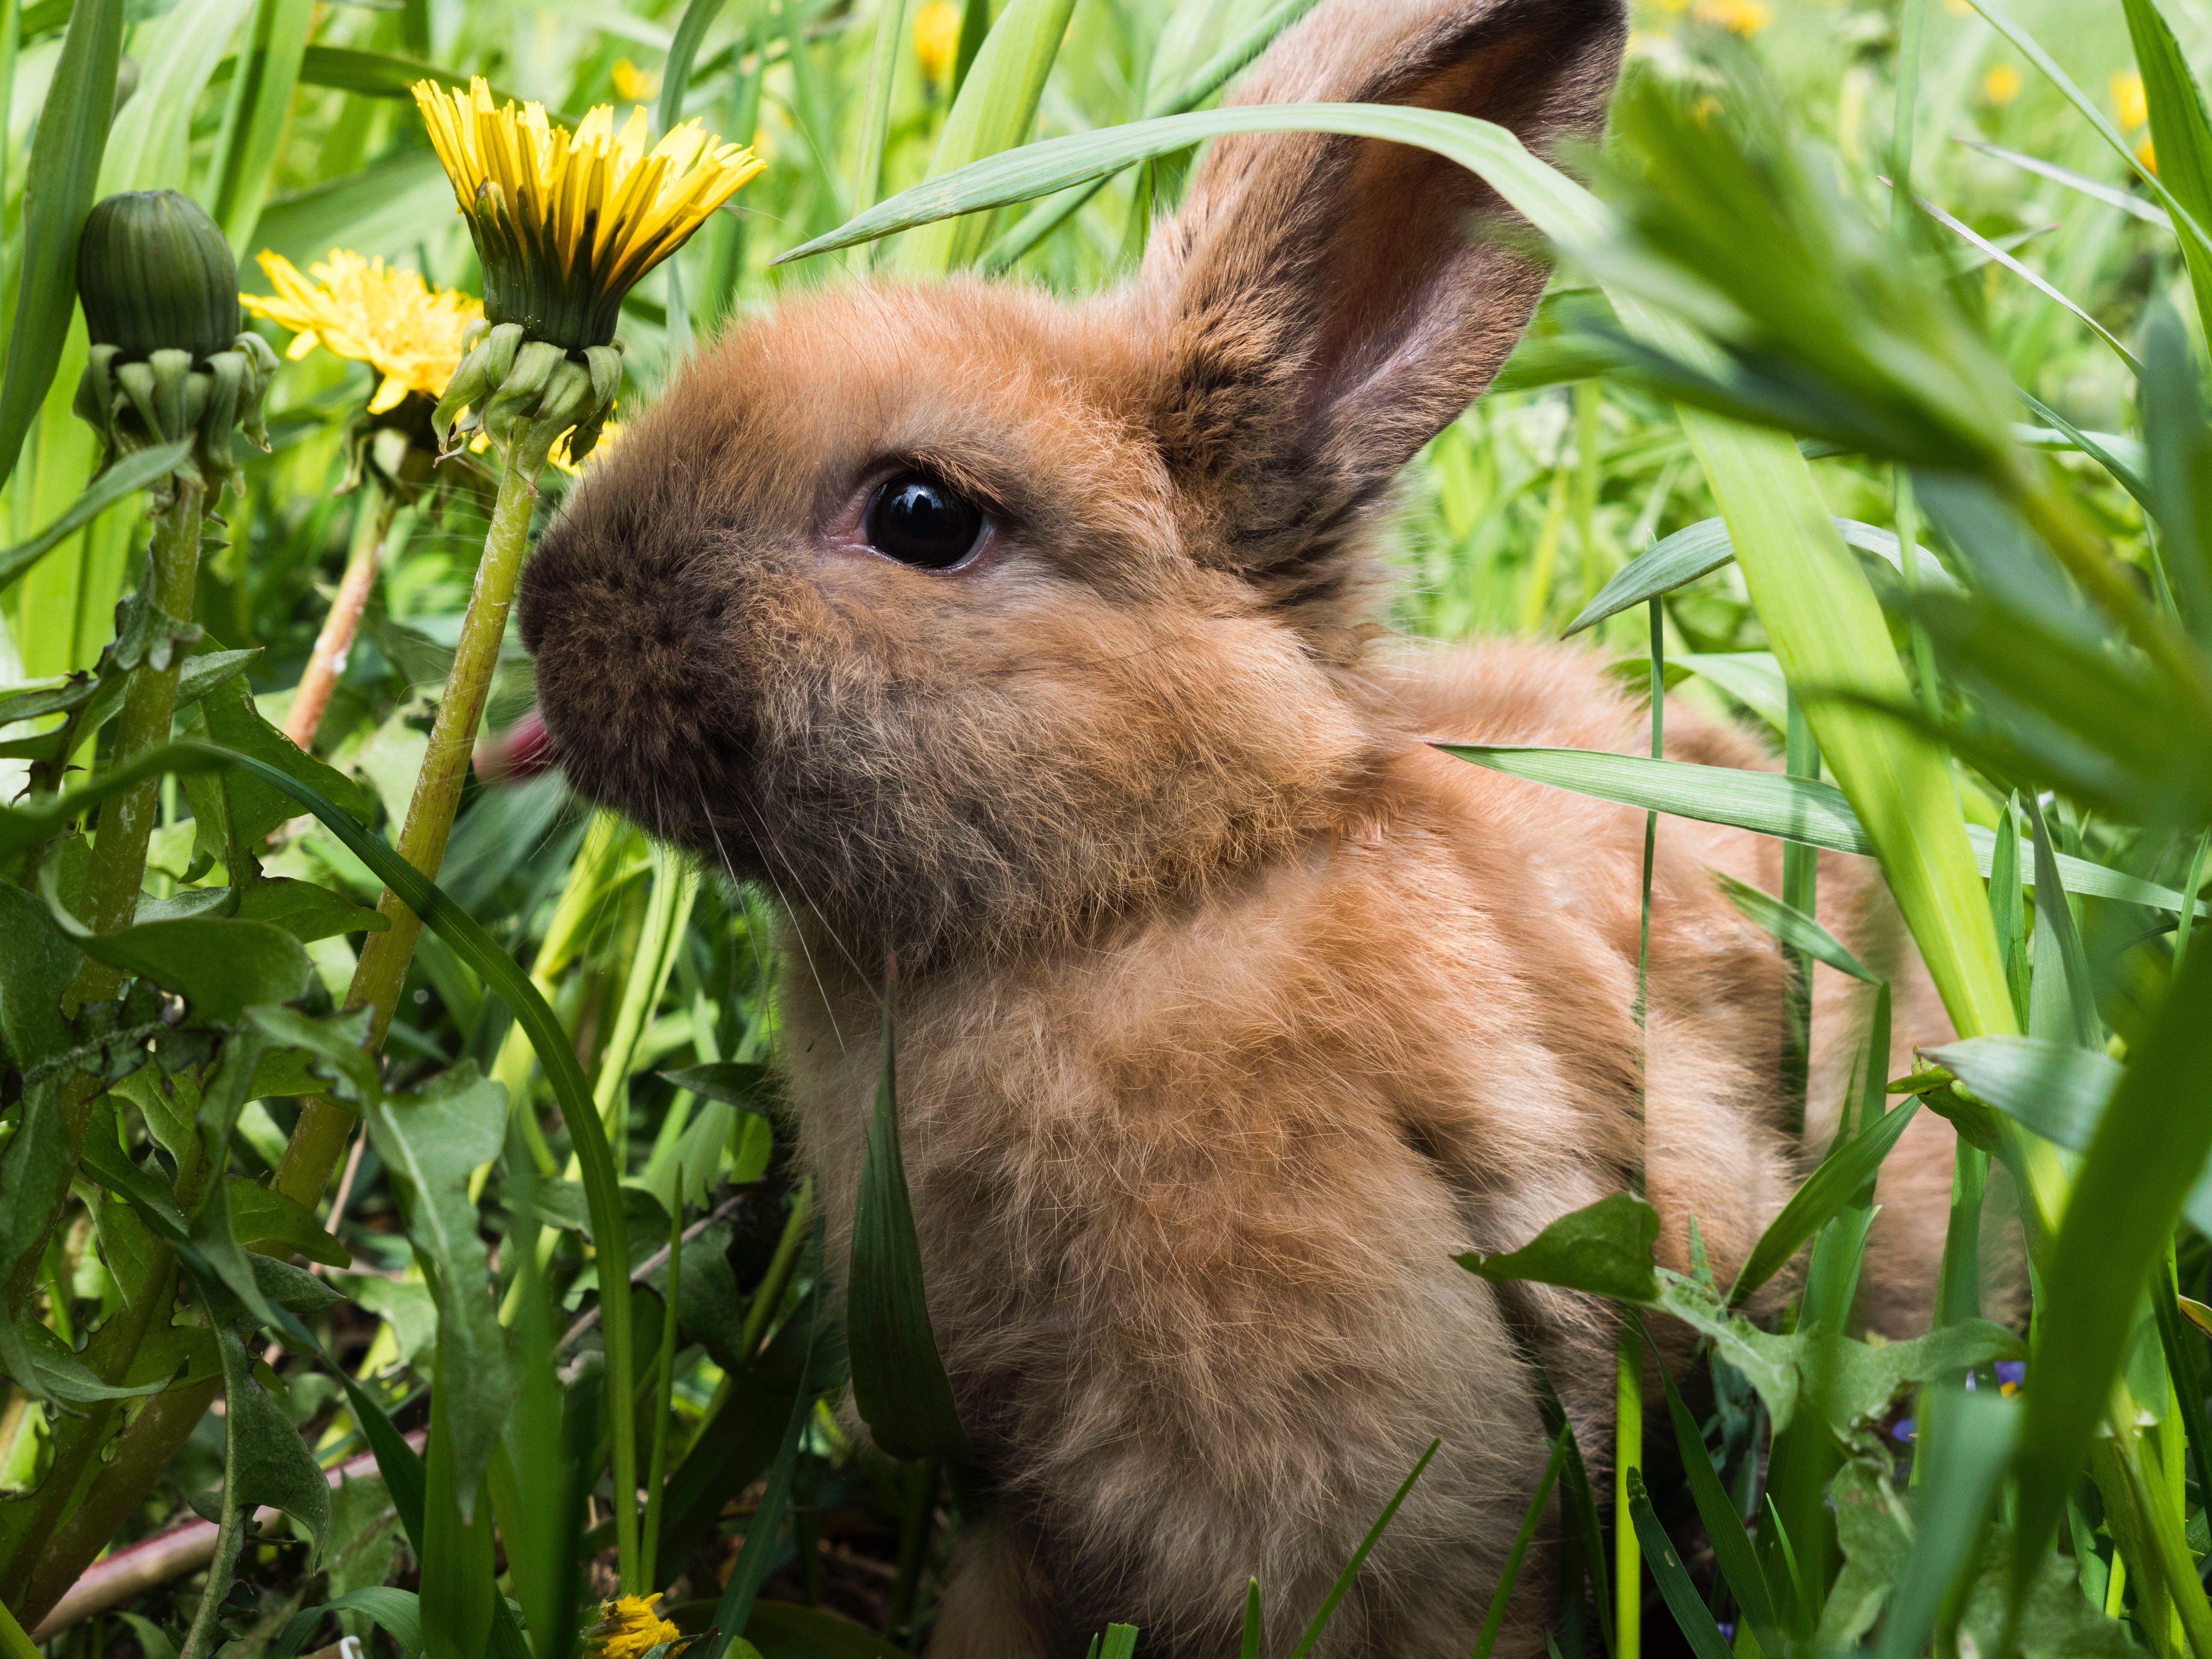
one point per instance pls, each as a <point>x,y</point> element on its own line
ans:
<point>1326,305</point>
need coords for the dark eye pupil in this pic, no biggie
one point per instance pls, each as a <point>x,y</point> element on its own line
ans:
<point>920,520</point>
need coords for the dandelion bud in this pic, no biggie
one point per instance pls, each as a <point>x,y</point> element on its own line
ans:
<point>168,358</point>
<point>154,273</point>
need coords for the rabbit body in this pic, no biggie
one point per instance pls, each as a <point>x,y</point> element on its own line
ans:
<point>1230,1010</point>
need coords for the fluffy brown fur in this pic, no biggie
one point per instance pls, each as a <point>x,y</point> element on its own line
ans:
<point>1231,1010</point>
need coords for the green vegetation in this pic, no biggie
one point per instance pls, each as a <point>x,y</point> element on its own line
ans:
<point>1917,477</point>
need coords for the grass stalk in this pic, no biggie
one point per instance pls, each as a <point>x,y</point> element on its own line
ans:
<point>372,530</point>
<point>1800,876</point>
<point>664,1390</point>
<point>1493,1619</point>
<point>914,1549</point>
<point>318,1137</point>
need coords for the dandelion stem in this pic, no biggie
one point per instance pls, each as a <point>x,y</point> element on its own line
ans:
<point>371,528</point>
<point>320,1137</point>
<point>150,704</point>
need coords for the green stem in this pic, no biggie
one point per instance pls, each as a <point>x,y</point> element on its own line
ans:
<point>371,528</point>
<point>320,1137</point>
<point>1627,1455</point>
<point>1800,872</point>
<point>675,888</point>
<point>777,1279</point>
<point>150,707</point>
<point>649,1547</point>
<point>913,1547</point>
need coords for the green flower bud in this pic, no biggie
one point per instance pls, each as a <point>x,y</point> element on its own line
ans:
<point>154,273</point>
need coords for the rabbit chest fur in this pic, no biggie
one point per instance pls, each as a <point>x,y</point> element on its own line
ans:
<point>1033,644</point>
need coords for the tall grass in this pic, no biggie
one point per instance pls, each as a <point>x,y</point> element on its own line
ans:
<point>1918,495</point>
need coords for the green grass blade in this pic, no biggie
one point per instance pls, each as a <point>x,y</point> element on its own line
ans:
<point>1560,207</point>
<point>1691,1614</point>
<point>735,1608</point>
<point>683,52</point>
<point>1839,1180</point>
<point>59,189</point>
<point>1120,1642</point>
<point>1733,1553</point>
<point>1769,803</point>
<point>2059,1089</point>
<point>2181,135</point>
<point>131,472</point>
<point>255,116</point>
<point>1970,1439</point>
<point>1974,238</point>
<point>2126,201</point>
<point>883,68</point>
<point>1255,1626</point>
<point>1793,927</point>
<point>1210,77</point>
<point>1704,547</point>
<point>2121,457</point>
<point>1336,1591</point>
<point>997,105</point>
<point>2118,1223</point>
<point>1493,1619</point>
<point>2062,997</point>
<point>899,1385</point>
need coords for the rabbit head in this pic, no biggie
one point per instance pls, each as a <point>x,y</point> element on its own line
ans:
<point>964,617</point>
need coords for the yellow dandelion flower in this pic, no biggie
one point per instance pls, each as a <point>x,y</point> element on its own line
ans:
<point>610,432</point>
<point>2148,154</point>
<point>628,1627</point>
<point>2128,99</point>
<point>937,39</point>
<point>632,84</point>
<point>2000,85</point>
<point>566,223</point>
<point>387,318</point>
<point>1743,17</point>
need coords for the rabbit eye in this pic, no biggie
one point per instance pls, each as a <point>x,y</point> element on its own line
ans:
<point>923,521</point>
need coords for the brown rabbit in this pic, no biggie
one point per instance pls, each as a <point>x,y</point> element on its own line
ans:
<point>1034,643</point>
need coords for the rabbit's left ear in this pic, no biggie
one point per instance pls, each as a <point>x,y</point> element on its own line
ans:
<point>1323,306</point>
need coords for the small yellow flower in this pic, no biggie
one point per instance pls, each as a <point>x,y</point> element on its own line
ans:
<point>628,1627</point>
<point>566,223</point>
<point>632,84</point>
<point>387,318</point>
<point>2128,101</point>
<point>609,433</point>
<point>2000,85</point>
<point>1743,17</point>
<point>2148,154</point>
<point>937,39</point>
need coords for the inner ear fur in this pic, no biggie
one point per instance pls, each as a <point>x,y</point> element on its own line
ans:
<point>1326,305</point>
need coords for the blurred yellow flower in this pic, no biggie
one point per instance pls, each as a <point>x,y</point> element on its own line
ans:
<point>2128,100</point>
<point>566,223</point>
<point>387,318</point>
<point>628,1627</point>
<point>632,84</point>
<point>937,39</point>
<point>2148,154</point>
<point>2000,85</point>
<point>1744,17</point>
<point>609,433</point>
